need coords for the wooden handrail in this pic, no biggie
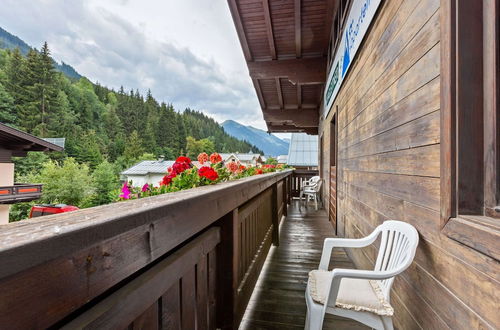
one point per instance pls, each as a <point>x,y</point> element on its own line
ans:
<point>60,263</point>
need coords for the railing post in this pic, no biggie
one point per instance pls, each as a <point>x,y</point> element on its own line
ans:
<point>274,214</point>
<point>227,271</point>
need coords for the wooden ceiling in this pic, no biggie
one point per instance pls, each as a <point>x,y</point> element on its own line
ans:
<point>285,43</point>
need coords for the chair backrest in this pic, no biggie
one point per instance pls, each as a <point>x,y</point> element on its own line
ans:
<point>314,180</point>
<point>317,187</point>
<point>397,250</point>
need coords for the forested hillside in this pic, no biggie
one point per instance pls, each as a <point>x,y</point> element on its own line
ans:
<point>98,123</point>
<point>101,126</point>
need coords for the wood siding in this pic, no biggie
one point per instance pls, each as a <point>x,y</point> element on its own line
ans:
<point>389,168</point>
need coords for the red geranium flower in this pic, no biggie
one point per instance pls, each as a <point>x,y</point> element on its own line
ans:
<point>215,158</point>
<point>242,168</point>
<point>202,158</point>
<point>208,172</point>
<point>167,179</point>
<point>183,159</point>
<point>259,171</point>
<point>268,166</point>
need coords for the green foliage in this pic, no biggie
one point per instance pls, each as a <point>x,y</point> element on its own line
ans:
<point>69,183</point>
<point>195,147</point>
<point>7,108</point>
<point>271,161</point>
<point>31,164</point>
<point>133,147</point>
<point>105,182</point>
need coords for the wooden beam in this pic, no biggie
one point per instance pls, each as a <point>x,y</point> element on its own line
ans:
<point>233,8</point>
<point>298,29</point>
<point>304,70</point>
<point>271,128</point>
<point>279,91</point>
<point>299,118</point>
<point>269,28</point>
<point>299,95</point>
<point>260,96</point>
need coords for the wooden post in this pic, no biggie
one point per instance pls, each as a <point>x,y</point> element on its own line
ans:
<point>227,271</point>
<point>274,214</point>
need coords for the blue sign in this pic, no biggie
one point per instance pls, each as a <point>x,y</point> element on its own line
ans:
<point>360,16</point>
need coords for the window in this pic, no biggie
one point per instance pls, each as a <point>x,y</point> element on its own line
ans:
<point>337,28</point>
<point>470,124</point>
<point>333,142</point>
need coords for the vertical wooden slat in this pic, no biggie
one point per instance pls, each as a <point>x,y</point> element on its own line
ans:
<point>274,216</point>
<point>212,289</point>
<point>171,308</point>
<point>188,297</point>
<point>147,320</point>
<point>202,294</point>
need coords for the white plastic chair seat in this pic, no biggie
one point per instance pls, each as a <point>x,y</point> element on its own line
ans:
<point>354,294</point>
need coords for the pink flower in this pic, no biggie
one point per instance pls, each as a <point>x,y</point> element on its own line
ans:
<point>202,158</point>
<point>232,166</point>
<point>215,158</point>
<point>145,188</point>
<point>125,191</point>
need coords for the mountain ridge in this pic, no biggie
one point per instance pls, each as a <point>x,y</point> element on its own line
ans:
<point>10,41</point>
<point>269,143</point>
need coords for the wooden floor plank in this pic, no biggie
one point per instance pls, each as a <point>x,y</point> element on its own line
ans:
<point>278,299</point>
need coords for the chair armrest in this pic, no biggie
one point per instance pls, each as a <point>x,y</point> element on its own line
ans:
<point>330,243</point>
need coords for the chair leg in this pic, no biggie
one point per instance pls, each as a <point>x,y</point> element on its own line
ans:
<point>316,202</point>
<point>314,319</point>
<point>387,321</point>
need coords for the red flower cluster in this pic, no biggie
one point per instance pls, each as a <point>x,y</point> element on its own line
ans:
<point>268,166</point>
<point>181,164</point>
<point>208,172</point>
<point>215,158</point>
<point>259,171</point>
<point>232,166</point>
<point>202,158</point>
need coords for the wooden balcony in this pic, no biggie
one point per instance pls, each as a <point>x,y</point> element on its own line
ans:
<point>20,192</point>
<point>183,260</point>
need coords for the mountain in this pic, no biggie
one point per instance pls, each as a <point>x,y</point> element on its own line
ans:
<point>270,144</point>
<point>10,41</point>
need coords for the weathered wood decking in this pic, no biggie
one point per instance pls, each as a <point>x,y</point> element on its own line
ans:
<point>278,300</point>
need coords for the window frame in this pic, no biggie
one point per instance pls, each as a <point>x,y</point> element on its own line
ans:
<point>478,230</point>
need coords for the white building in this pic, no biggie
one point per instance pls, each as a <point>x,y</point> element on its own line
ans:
<point>147,171</point>
<point>248,159</point>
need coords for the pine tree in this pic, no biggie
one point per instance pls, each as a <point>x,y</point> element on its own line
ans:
<point>7,108</point>
<point>133,148</point>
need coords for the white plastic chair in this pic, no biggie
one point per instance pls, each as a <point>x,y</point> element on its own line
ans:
<point>362,295</point>
<point>311,192</point>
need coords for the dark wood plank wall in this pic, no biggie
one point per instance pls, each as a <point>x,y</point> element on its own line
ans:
<point>389,168</point>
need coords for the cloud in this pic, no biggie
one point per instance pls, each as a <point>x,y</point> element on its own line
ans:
<point>108,48</point>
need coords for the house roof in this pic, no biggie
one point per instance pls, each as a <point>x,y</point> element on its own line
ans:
<point>303,150</point>
<point>149,166</point>
<point>21,142</point>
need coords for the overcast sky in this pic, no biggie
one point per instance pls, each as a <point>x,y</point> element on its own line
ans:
<point>186,51</point>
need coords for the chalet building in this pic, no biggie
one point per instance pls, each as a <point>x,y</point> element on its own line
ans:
<point>15,143</point>
<point>248,159</point>
<point>147,171</point>
<point>403,96</point>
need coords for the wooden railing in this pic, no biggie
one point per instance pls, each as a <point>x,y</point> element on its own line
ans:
<point>298,179</point>
<point>185,260</point>
<point>20,192</point>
